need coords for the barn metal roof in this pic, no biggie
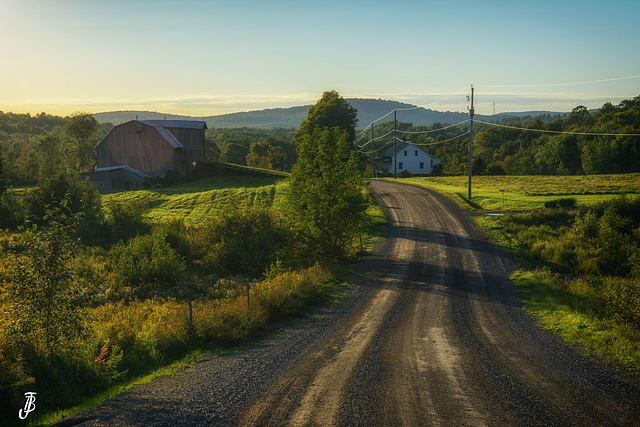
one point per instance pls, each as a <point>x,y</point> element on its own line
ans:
<point>125,167</point>
<point>168,136</point>
<point>181,124</point>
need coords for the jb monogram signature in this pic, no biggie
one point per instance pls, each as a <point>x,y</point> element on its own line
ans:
<point>29,406</point>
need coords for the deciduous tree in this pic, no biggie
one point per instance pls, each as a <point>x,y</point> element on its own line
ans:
<point>325,191</point>
<point>81,133</point>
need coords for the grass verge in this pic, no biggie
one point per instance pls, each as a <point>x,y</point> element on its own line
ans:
<point>174,368</point>
<point>565,307</point>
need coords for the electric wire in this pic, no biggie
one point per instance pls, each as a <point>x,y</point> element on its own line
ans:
<point>557,131</point>
<point>375,139</point>
<point>438,142</point>
<point>564,84</point>
<point>461,92</point>
<point>434,130</point>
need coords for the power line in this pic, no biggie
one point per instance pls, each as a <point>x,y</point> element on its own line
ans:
<point>557,131</point>
<point>438,142</point>
<point>565,84</point>
<point>375,139</point>
<point>407,109</point>
<point>434,130</point>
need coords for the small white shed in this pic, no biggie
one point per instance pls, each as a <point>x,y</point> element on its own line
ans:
<point>408,157</point>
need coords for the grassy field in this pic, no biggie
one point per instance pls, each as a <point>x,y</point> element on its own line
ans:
<point>196,200</point>
<point>528,192</point>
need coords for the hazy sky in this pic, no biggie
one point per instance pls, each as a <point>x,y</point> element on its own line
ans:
<point>202,57</point>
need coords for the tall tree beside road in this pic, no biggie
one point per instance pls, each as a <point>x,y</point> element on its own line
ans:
<point>330,111</point>
<point>325,192</point>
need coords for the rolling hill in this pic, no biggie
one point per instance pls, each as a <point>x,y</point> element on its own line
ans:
<point>368,110</point>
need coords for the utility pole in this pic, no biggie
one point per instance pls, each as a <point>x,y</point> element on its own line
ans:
<point>395,140</point>
<point>373,174</point>
<point>470,140</point>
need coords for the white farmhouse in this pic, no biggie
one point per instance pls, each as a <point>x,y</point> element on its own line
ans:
<point>408,157</point>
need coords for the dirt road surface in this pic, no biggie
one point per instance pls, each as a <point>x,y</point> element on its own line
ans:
<point>434,335</point>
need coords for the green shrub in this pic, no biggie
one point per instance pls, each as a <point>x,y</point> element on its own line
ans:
<point>239,242</point>
<point>567,202</point>
<point>42,289</point>
<point>145,262</point>
<point>176,234</point>
<point>496,168</point>
<point>125,220</point>
<point>585,225</point>
<point>12,211</point>
<point>80,194</point>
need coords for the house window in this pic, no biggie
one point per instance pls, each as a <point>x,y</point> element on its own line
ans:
<point>405,152</point>
<point>400,164</point>
<point>421,165</point>
<point>416,152</point>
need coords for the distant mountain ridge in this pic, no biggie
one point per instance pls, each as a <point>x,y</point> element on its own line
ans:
<point>368,111</point>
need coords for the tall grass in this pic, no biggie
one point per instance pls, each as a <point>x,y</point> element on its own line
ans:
<point>123,340</point>
<point>585,277</point>
<point>599,313</point>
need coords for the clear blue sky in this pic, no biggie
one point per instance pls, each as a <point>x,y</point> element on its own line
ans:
<point>211,57</point>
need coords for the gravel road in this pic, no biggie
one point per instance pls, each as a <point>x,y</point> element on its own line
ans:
<point>433,335</point>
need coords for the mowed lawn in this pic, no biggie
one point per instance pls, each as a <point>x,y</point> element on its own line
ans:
<point>528,192</point>
<point>197,200</point>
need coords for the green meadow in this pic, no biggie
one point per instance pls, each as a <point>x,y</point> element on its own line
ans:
<point>197,200</point>
<point>521,193</point>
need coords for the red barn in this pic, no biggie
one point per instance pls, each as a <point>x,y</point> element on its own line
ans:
<point>153,147</point>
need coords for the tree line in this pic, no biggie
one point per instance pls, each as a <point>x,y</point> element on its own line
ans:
<point>264,148</point>
<point>35,147</point>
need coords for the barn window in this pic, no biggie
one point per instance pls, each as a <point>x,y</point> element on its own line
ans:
<point>421,165</point>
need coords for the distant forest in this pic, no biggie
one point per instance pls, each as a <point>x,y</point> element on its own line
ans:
<point>25,139</point>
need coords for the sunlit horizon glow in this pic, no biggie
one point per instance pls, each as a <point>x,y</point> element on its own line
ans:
<point>204,58</point>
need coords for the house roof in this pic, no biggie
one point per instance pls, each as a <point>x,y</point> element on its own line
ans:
<point>181,124</point>
<point>402,146</point>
